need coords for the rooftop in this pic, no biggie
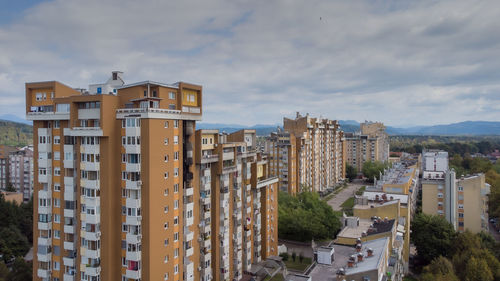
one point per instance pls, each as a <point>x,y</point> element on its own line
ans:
<point>370,263</point>
<point>368,227</point>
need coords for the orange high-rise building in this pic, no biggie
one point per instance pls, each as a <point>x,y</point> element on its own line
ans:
<point>120,191</point>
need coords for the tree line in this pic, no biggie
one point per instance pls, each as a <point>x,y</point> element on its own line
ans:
<point>16,238</point>
<point>449,255</point>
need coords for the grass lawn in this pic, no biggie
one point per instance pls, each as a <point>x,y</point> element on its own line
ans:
<point>347,206</point>
<point>409,278</point>
<point>277,277</point>
<point>297,265</point>
<point>361,190</point>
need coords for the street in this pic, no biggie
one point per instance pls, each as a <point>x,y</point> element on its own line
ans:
<point>344,194</point>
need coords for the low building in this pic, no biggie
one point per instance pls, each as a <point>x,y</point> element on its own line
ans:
<point>16,197</point>
<point>21,171</point>
<point>324,255</point>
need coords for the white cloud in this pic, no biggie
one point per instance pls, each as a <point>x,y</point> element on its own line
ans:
<point>420,62</point>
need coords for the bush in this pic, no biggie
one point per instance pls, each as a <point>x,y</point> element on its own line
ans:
<point>294,256</point>
<point>284,256</point>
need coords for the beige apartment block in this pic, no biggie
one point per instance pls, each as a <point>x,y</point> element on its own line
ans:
<point>371,144</point>
<point>319,154</point>
<point>463,201</point>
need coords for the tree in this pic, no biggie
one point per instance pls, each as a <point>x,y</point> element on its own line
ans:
<point>433,236</point>
<point>477,270</point>
<point>10,188</point>
<point>294,256</point>
<point>301,257</point>
<point>373,169</point>
<point>439,269</point>
<point>305,217</point>
<point>12,243</point>
<point>21,271</point>
<point>350,172</point>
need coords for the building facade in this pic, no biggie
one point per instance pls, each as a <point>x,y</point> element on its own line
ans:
<point>370,144</point>
<point>319,154</point>
<point>240,198</point>
<point>5,151</point>
<point>121,192</point>
<point>21,171</point>
<point>463,200</point>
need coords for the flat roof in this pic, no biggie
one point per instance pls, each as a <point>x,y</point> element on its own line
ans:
<point>403,198</point>
<point>364,226</point>
<point>370,263</point>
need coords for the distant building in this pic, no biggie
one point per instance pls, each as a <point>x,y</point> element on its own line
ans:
<point>16,197</point>
<point>462,200</point>
<point>319,154</point>
<point>5,151</point>
<point>21,171</point>
<point>371,144</point>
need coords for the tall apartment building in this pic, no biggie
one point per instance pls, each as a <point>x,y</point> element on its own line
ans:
<point>21,171</point>
<point>462,201</point>
<point>238,203</point>
<point>319,153</point>
<point>371,144</point>
<point>281,148</point>
<point>121,194</point>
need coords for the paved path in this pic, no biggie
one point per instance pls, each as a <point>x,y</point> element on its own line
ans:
<point>343,195</point>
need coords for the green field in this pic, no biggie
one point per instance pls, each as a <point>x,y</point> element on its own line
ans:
<point>297,265</point>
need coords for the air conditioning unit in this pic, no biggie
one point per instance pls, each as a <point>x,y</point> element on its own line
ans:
<point>139,182</point>
<point>199,268</point>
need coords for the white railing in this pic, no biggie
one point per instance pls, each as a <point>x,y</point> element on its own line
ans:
<point>147,110</point>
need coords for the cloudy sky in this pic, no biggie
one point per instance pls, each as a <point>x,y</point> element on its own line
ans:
<point>400,62</point>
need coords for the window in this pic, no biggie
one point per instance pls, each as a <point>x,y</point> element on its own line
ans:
<point>166,158</point>
<point>165,243</point>
<point>460,206</point>
<point>176,252</point>
<point>165,124</point>
<point>171,95</point>
<point>176,220</point>
<point>176,188</point>
<point>57,155</point>
<point>57,187</point>
<point>57,202</point>
<point>165,192</point>
<point>57,124</point>
<point>176,236</point>
<point>165,209</point>
<point>124,158</point>
<point>176,139</point>
<point>57,171</point>
<point>176,204</point>
<point>38,96</point>
<point>460,188</point>
<point>165,141</point>
<point>176,172</point>
<point>166,175</point>
<point>176,267</point>
<point>165,260</point>
<point>176,155</point>
<point>57,234</point>
<point>460,215</point>
<point>176,123</point>
<point>165,225</point>
<point>57,140</point>
<point>57,266</point>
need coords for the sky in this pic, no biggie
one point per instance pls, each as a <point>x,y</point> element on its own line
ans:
<point>400,62</point>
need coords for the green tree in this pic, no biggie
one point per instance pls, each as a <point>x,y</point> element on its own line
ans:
<point>4,271</point>
<point>351,172</point>
<point>477,270</point>
<point>21,271</point>
<point>294,256</point>
<point>373,169</point>
<point>433,236</point>
<point>12,243</point>
<point>439,269</point>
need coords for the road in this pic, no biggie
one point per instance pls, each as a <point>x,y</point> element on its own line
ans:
<point>343,195</point>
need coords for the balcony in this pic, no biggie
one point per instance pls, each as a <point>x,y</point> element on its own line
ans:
<point>133,239</point>
<point>90,148</point>
<point>69,261</point>
<point>93,219</point>
<point>94,184</point>
<point>69,193</point>
<point>133,274</point>
<point>44,241</point>
<point>134,256</point>
<point>188,235</point>
<point>47,257</point>
<point>90,166</point>
<point>136,185</point>
<point>69,213</point>
<point>133,203</point>
<point>132,148</point>
<point>89,113</point>
<point>92,270</point>
<point>133,167</point>
<point>69,164</point>
<point>44,194</point>
<point>69,229</point>
<point>69,245</point>
<point>44,210</point>
<point>43,273</point>
<point>228,155</point>
<point>83,132</point>
<point>189,252</point>
<point>91,201</point>
<point>133,220</point>
<point>43,178</point>
<point>93,254</point>
<point>69,181</point>
<point>50,115</point>
<point>188,191</point>
<point>44,163</point>
<point>68,277</point>
<point>44,225</point>
<point>94,236</point>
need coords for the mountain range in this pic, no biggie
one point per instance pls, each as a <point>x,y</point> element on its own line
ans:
<point>462,128</point>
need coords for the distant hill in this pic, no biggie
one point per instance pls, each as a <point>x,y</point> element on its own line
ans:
<point>15,134</point>
<point>261,130</point>
<point>14,118</point>
<point>461,128</point>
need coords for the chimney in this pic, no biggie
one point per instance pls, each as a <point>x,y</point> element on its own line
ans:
<point>360,257</point>
<point>358,247</point>
<point>370,252</point>
<point>386,219</point>
<point>351,261</point>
